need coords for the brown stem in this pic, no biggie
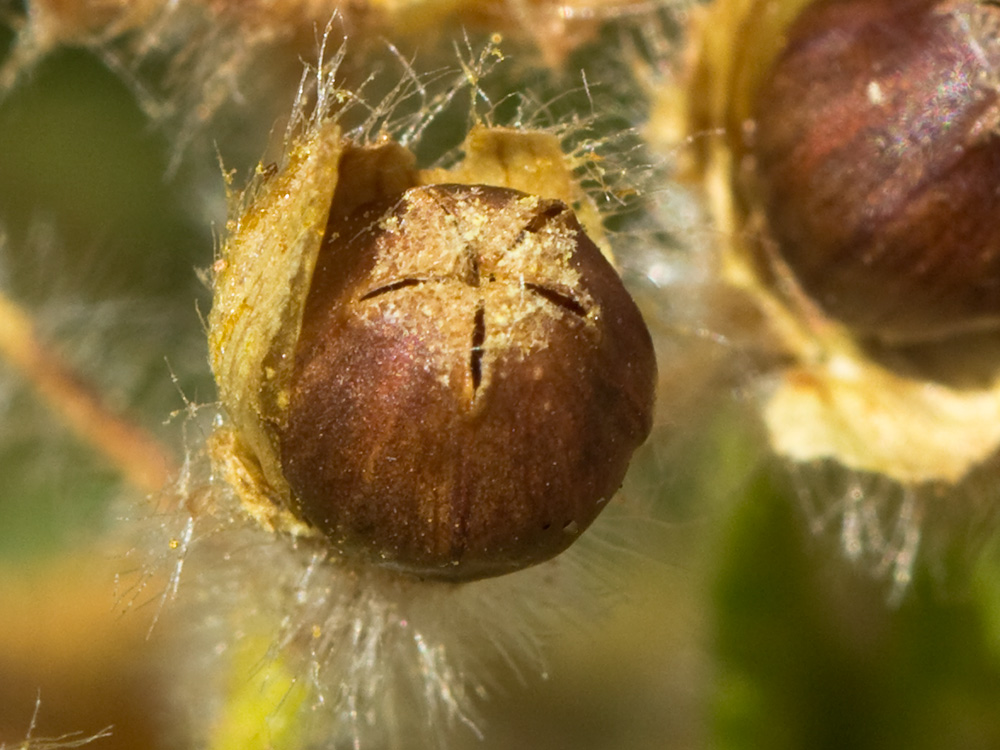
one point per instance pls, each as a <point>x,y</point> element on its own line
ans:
<point>138,455</point>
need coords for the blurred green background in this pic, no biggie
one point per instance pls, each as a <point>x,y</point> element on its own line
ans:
<point>743,629</point>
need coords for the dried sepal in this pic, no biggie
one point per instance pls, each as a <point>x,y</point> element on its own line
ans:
<point>870,419</point>
<point>260,282</point>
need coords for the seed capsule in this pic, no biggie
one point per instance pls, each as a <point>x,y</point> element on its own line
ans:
<point>439,377</point>
<point>470,382</point>
<point>878,159</point>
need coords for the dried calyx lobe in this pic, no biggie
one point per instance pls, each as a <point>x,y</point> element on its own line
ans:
<point>879,163</point>
<point>470,383</point>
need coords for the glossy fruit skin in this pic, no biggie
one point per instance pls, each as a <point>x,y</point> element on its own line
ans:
<point>470,383</point>
<point>878,162</point>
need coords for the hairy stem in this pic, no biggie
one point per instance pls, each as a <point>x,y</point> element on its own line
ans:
<point>140,458</point>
